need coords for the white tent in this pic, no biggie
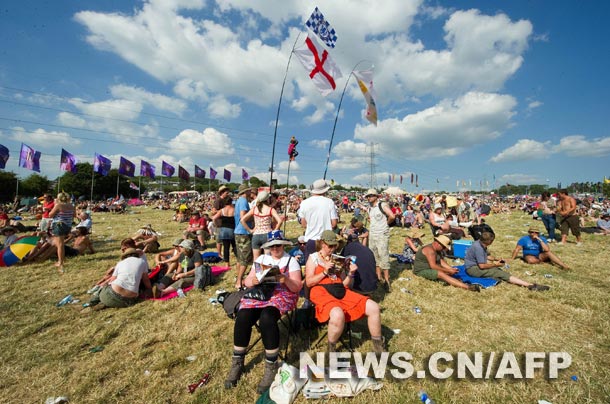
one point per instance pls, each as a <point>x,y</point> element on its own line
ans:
<point>394,191</point>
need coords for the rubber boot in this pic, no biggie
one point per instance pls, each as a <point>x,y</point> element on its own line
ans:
<point>237,367</point>
<point>268,376</point>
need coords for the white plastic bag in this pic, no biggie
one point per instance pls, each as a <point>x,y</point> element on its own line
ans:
<point>286,385</point>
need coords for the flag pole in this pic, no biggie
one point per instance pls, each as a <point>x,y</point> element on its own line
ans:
<point>286,207</point>
<point>139,186</point>
<point>332,136</point>
<point>277,116</point>
<point>118,177</point>
<point>92,178</point>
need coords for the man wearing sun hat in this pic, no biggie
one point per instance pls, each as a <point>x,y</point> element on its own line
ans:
<point>316,214</point>
<point>430,264</point>
<point>536,249</point>
<point>380,216</point>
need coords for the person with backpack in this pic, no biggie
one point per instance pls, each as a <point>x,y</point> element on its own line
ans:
<point>380,216</point>
<point>188,262</point>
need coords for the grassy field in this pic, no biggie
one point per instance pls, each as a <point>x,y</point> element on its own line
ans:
<point>45,349</point>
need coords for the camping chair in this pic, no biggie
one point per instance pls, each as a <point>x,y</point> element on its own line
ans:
<point>287,321</point>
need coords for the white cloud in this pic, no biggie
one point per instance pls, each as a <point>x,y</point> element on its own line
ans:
<point>209,143</point>
<point>69,119</point>
<point>578,146</point>
<point>294,166</point>
<point>446,129</point>
<point>43,138</point>
<point>524,149</point>
<point>113,109</point>
<point>534,104</point>
<point>221,107</point>
<point>520,179</point>
<point>141,96</point>
<point>319,144</point>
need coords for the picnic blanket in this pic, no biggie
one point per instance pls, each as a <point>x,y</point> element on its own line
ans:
<point>168,296</point>
<point>216,270</point>
<point>464,277</point>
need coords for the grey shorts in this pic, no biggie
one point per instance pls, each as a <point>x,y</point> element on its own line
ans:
<point>258,240</point>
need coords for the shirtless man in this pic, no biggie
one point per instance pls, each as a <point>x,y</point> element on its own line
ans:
<point>569,218</point>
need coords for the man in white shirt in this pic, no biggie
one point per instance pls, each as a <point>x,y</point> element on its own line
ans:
<point>316,214</point>
<point>380,216</point>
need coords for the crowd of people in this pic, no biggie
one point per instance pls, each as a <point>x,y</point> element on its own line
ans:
<point>244,229</point>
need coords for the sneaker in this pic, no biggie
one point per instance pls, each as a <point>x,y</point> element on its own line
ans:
<point>538,288</point>
<point>474,288</point>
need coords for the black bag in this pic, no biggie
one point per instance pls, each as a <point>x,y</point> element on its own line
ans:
<point>231,301</point>
<point>262,292</point>
<point>476,230</point>
<point>203,276</point>
<point>393,223</point>
<point>336,290</point>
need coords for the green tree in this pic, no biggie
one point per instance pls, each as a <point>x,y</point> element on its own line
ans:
<point>8,185</point>
<point>34,185</point>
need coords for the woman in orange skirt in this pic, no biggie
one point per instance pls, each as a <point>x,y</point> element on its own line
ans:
<point>330,293</point>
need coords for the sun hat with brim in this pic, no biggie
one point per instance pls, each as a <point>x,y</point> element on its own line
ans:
<point>188,244</point>
<point>129,252</point>
<point>276,237</point>
<point>371,191</point>
<point>262,196</point>
<point>415,233</point>
<point>320,187</point>
<point>533,229</point>
<point>243,188</point>
<point>177,242</point>
<point>444,241</point>
<point>222,189</point>
<point>330,238</point>
<point>437,206</point>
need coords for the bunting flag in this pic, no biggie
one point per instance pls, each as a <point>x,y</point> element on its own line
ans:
<point>199,173</point>
<point>147,170</point>
<point>389,178</point>
<point>29,158</point>
<point>412,177</point>
<point>401,178</point>
<point>101,164</point>
<point>365,82</point>
<point>417,180</point>
<point>227,175</point>
<point>322,69</point>
<point>394,178</point>
<point>213,173</point>
<point>126,167</point>
<point>318,24</point>
<point>183,174</point>
<point>68,161</point>
<point>167,169</point>
<point>133,186</point>
<point>457,183</point>
<point>244,175</point>
<point>4,155</point>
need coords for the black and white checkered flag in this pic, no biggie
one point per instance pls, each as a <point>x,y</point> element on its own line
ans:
<point>322,28</point>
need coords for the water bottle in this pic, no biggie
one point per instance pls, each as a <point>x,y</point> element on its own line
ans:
<point>180,292</point>
<point>65,301</point>
<point>417,310</point>
<point>423,396</point>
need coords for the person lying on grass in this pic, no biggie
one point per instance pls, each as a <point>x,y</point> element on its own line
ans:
<point>46,247</point>
<point>480,265</point>
<point>536,249</point>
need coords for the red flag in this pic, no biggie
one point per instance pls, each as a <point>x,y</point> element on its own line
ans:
<point>322,69</point>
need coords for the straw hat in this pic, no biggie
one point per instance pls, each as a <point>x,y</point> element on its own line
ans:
<point>415,233</point>
<point>243,188</point>
<point>371,191</point>
<point>444,241</point>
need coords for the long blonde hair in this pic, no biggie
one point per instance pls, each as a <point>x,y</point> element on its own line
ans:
<point>63,197</point>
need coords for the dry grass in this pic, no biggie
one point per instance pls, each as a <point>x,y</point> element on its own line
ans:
<point>45,348</point>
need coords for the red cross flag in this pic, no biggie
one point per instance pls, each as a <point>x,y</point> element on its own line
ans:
<point>322,69</point>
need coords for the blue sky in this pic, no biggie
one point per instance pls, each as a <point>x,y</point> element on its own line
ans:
<point>467,91</point>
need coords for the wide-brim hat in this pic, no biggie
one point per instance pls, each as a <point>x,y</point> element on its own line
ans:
<point>129,252</point>
<point>177,242</point>
<point>276,237</point>
<point>533,229</point>
<point>222,189</point>
<point>243,188</point>
<point>320,187</point>
<point>415,233</point>
<point>437,206</point>
<point>188,244</point>
<point>331,238</point>
<point>371,191</point>
<point>444,241</point>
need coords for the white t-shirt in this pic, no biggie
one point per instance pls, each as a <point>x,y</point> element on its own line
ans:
<point>318,211</point>
<point>282,263</point>
<point>129,272</point>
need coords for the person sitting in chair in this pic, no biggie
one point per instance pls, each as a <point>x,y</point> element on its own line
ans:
<point>330,292</point>
<point>282,290</point>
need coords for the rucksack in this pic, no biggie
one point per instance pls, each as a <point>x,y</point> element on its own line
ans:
<point>231,301</point>
<point>385,214</point>
<point>203,276</point>
<point>476,230</point>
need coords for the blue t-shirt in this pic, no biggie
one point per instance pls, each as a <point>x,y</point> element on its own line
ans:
<point>475,255</point>
<point>241,204</point>
<point>530,246</point>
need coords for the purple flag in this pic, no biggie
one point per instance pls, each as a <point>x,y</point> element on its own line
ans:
<point>199,173</point>
<point>213,173</point>
<point>147,170</point>
<point>3,156</point>
<point>126,167</point>
<point>167,169</point>
<point>101,164</point>
<point>29,158</point>
<point>133,186</point>
<point>68,161</point>
<point>182,173</point>
<point>227,175</point>
<point>244,175</point>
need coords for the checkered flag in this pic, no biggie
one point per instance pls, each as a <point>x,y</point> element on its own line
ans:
<point>322,28</point>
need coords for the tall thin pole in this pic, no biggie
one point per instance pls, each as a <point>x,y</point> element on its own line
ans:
<point>139,186</point>
<point>92,179</point>
<point>118,177</point>
<point>277,116</point>
<point>286,207</point>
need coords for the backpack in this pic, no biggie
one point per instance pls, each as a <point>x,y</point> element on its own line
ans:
<point>381,204</point>
<point>203,276</point>
<point>231,301</point>
<point>476,230</point>
<point>210,257</point>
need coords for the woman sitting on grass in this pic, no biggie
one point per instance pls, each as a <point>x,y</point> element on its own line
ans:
<point>147,239</point>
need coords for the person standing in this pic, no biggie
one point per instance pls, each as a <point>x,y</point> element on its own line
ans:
<point>569,218</point>
<point>316,214</point>
<point>547,205</point>
<point>243,238</point>
<point>380,216</point>
<point>62,215</point>
<point>47,206</point>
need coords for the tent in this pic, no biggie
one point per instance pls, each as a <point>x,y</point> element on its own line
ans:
<point>394,191</point>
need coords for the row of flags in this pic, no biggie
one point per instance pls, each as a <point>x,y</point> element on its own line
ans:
<point>414,179</point>
<point>30,159</point>
<point>323,71</point>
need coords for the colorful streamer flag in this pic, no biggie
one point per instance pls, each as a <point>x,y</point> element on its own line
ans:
<point>227,175</point>
<point>457,183</point>
<point>244,175</point>
<point>389,178</point>
<point>183,174</point>
<point>4,155</point>
<point>323,71</point>
<point>318,24</point>
<point>126,167</point>
<point>101,164</point>
<point>167,169</point>
<point>365,82</point>
<point>199,173</point>
<point>437,181</point>
<point>416,180</point>
<point>133,186</point>
<point>68,161</point>
<point>412,178</point>
<point>147,169</point>
<point>401,178</point>
<point>213,173</point>
<point>29,158</point>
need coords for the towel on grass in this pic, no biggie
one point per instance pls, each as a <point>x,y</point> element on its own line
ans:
<point>464,277</point>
